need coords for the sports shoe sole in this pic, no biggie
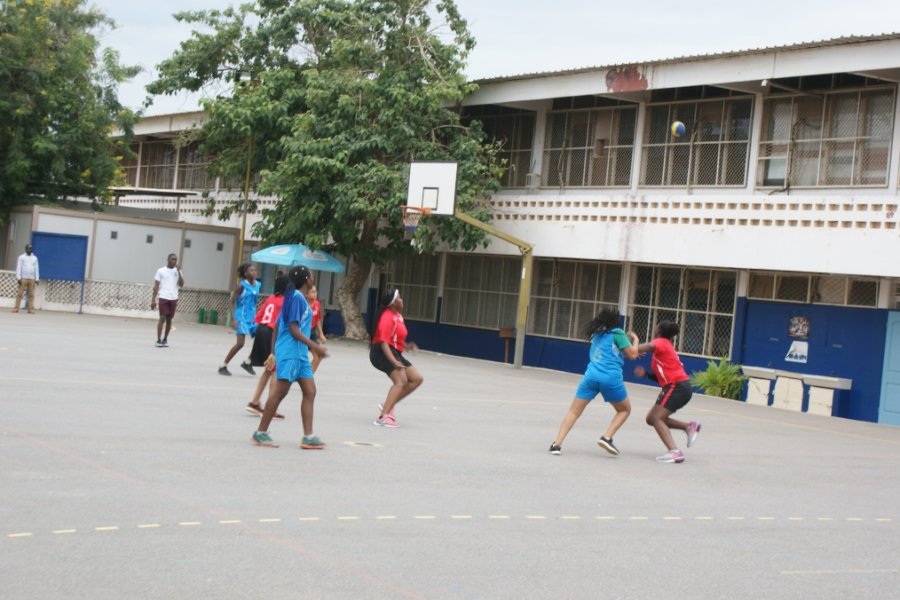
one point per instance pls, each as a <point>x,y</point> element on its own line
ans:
<point>254,410</point>
<point>262,444</point>
<point>248,368</point>
<point>311,447</point>
<point>669,460</point>
<point>608,447</point>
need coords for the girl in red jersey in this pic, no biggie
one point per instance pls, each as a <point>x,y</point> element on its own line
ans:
<point>317,335</point>
<point>668,372</point>
<point>262,344</point>
<point>386,355</point>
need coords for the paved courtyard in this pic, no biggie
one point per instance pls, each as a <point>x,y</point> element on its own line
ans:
<point>126,472</point>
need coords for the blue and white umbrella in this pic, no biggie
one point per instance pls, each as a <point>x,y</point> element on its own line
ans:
<point>292,255</point>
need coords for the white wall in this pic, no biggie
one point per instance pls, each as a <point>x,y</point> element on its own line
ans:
<point>19,229</point>
<point>130,257</point>
<point>206,267</point>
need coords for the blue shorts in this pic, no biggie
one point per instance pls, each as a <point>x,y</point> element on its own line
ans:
<point>245,328</point>
<point>292,369</point>
<point>612,391</point>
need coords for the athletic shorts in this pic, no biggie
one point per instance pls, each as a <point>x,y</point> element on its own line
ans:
<point>245,328</point>
<point>293,369</point>
<point>675,395</point>
<point>612,391</point>
<point>167,307</point>
<point>262,346</point>
<point>381,362</point>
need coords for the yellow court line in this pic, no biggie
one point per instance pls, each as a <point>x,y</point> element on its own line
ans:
<point>107,528</point>
<point>20,535</point>
<point>671,518</point>
<point>270,520</point>
<point>308,519</point>
<point>229,521</point>
<point>63,531</point>
<point>189,523</point>
<point>348,518</point>
<point>149,526</point>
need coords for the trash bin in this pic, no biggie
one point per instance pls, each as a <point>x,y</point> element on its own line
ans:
<point>213,317</point>
<point>201,316</point>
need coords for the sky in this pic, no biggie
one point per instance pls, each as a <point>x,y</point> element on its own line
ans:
<point>531,36</point>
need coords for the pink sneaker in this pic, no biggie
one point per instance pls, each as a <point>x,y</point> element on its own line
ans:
<point>386,421</point>
<point>692,431</point>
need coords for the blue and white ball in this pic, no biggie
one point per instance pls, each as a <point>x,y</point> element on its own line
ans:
<point>677,129</point>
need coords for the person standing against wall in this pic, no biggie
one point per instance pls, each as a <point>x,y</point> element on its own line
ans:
<point>166,284</point>
<point>28,276</point>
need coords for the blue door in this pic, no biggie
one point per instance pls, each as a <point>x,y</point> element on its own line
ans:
<point>889,410</point>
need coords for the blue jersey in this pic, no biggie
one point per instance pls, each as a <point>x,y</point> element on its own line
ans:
<point>286,346</point>
<point>245,307</point>
<point>606,358</point>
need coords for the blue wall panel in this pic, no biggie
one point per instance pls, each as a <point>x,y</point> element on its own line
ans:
<point>843,342</point>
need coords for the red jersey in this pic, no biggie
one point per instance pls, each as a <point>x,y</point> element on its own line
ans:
<point>269,311</point>
<point>665,363</point>
<point>391,329</point>
<point>317,313</point>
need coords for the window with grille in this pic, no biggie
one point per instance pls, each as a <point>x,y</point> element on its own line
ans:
<point>130,165</point>
<point>417,279</point>
<point>587,148</point>
<point>515,132</point>
<point>701,301</point>
<point>712,152</point>
<point>158,165</point>
<point>833,139</point>
<point>814,289</point>
<point>481,291</point>
<point>193,169</point>
<point>566,295</point>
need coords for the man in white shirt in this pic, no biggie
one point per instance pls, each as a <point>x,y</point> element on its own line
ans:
<point>166,283</point>
<point>28,275</point>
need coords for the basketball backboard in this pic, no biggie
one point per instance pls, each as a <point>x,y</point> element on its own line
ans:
<point>432,185</point>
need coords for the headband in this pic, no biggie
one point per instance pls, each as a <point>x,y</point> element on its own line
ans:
<point>394,297</point>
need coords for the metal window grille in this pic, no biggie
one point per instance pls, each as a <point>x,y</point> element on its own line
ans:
<point>590,148</point>
<point>481,291</point>
<point>835,139</point>
<point>158,165</point>
<point>813,289</point>
<point>566,295</point>
<point>701,301</point>
<point>193,169</point>
<point>416,277</point>
<point>713,152</point>
<point>515,133</point>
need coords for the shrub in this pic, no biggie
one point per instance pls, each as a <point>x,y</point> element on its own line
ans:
<point>721,379</point>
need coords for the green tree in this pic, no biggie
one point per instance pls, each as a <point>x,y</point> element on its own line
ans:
<point>341,96</point>
<point>58,104</point>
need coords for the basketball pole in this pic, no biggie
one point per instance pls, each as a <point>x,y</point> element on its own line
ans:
<point>524,283</point>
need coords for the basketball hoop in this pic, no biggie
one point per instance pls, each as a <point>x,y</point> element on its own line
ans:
<point>411,217</point>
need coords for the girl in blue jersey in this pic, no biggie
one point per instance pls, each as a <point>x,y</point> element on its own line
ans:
<point>609,346</point>
<point>292,360</point>
<point>244,312</point>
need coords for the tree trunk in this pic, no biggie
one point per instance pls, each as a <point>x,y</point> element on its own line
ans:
<point>347,294</point>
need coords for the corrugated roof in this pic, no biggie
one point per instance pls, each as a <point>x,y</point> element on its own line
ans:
<point>840,41</point>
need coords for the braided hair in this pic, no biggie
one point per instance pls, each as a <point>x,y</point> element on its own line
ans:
<point>296,278</point>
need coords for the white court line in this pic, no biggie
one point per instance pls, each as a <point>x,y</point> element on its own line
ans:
<point>189,523</point>
<point>148,525</point>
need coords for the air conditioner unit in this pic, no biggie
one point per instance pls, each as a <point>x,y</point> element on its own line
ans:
<point>532,181</point>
